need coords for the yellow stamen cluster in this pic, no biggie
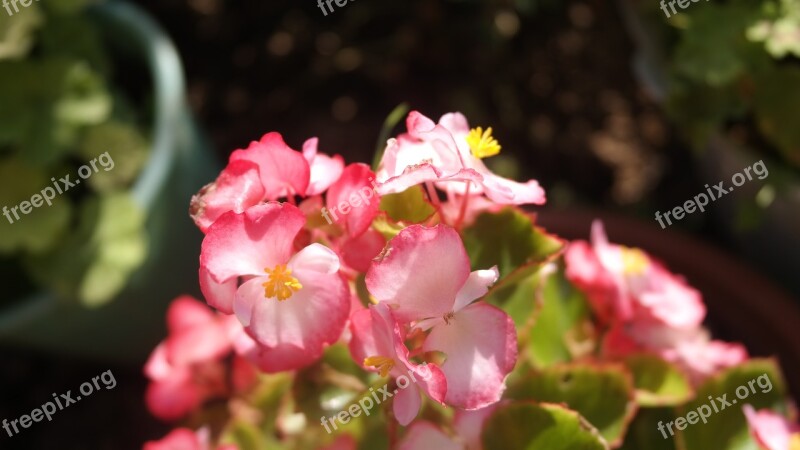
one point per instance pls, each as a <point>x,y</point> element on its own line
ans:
<point>634,261</point>
<point>281,283</point>
<point>481,143</point>
<point>382,363</point>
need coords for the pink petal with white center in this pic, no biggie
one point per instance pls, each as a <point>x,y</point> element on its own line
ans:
<point>508,192</point>
<point>292,333</point>
<point>770,430</point>
<point>246,244</point>
<point>477,286</point>
<point>448,158</point>
<point>355,193</point>
<point>218,295</point>
<point>406,404</point>
<point>427,436</point>
<point>480,344</point>
<point>358,253</point>
<point>420,272</point>
<point>315,258</point>
<point>423,173</point>
<point>237,188</point>
<point>284,171</point>
<point>456,123</point>
<point>469,425</point>
<point>325,170</point>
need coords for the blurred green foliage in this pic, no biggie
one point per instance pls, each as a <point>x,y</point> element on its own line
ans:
<point>736,62</point>
<point>58,111</point>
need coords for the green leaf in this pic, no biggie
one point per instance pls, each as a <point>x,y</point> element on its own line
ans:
<point>644,433</point>
<point>560,332</point>
<point>95,262</point>
<point>386,227</point>
<point>121,152</point>
<point>658,383</point>
<point>85,100</point>
<point>409,206</point>
<point>602,394</point>
<point>527,426</point>
<point>726,427</point>
<point>780,30</point>
<point>17,32</point>
<point>509,240</point>
<point>517,298</point>
<point>776,102</point>
<point>42,227</point>
<point>244,435</point>
<point>713,49</point>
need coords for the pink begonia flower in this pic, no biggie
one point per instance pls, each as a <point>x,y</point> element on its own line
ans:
<point>772,431</point>
<point>450,154</point>
<point>237,188</point>
<point>292,305</point>
<point>648,308</point>
<point>377,344</point>
<point>325,170</point>
<point>284,171</point>
<point>695,353</point>
<point>186,369</point>
<point>624,284</point>
<point>424,275</point>
<point>267,170</point>
<point>352,204</point>
<point>185,439</point>
<point>352,201</point>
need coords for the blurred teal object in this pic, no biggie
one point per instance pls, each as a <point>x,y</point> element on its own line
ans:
<point>130,326</point>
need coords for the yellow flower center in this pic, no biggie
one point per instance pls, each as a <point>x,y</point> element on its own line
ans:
<point>634,261</point>
<point>281,283</point>
<point>382,363</point>
<point>794,442</point>
<point>481,143</point>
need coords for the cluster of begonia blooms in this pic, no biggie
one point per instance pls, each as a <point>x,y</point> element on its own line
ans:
<point>398,291</point>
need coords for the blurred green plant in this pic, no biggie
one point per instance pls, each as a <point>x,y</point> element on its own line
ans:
<point>736,63</point>
<point>58,111</point>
